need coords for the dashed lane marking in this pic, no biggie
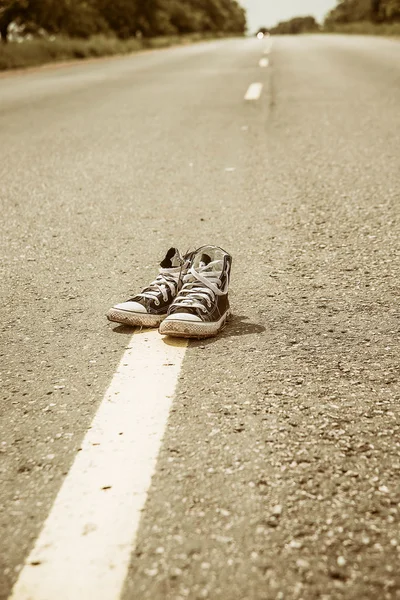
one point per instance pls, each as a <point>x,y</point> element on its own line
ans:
<point>264,62</point>
<point>268,48</point>
<point>85,545</point>
<point>254,91</point>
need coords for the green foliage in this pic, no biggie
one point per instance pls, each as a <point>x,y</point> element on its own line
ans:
<point>123,18</point>
<point>297,25</point>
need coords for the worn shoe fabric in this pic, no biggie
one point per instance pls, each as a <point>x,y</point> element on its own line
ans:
<point>201,307</point>
<point>150,306</point>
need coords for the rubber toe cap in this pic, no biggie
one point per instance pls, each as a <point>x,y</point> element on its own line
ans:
<point>183,317</point>
<point>134,307</point>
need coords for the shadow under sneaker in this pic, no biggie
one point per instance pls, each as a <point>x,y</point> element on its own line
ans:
<point>201,307</point>
<point>150,306</point>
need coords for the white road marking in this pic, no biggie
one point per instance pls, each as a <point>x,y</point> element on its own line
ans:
<point>264,62</point>
<point>254,91</point>
<point>268,48</point>
<point>85,546</point>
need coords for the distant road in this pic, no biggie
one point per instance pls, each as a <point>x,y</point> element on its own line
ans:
<point>277,443</point>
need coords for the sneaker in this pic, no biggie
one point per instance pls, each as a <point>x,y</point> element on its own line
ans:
<point>201,307</point>
<point>150,307</point>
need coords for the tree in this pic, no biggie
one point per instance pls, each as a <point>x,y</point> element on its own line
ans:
<point>297,25</point>
<point>74,18</point>
<point>120,15</point>
<point>82,18</point>
<point>349,11</point>
<point>389,11</point>
<point>353,11</point>
<point>9,11</point>
<point>186,17</point>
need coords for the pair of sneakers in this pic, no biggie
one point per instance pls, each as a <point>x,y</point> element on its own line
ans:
<point>189,298</point>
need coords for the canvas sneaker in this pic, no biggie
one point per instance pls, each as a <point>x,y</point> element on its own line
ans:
<point>201,307</point>
<point>150,306</point>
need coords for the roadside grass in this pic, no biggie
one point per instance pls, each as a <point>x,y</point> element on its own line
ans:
<point>366,28</point>
<point>31,53</point>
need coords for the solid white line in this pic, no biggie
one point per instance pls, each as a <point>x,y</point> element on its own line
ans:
<point>84,549</point>
<point>264,62</point>
<point>254,91</point>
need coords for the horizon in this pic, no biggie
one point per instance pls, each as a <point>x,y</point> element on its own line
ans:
<point>265,13</point>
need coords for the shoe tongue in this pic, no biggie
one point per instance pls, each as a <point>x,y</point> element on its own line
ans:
<point>172,259</point>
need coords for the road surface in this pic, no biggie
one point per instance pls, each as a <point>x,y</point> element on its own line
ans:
<point>260,465</point>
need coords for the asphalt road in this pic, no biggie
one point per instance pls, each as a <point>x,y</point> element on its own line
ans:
<point>278,475</point>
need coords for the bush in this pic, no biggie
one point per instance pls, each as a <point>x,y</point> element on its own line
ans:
<point>365,28</point>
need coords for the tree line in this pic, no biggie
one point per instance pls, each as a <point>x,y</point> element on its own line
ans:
<point>374,11</point>
<point>306,24</point>
<point>122,18</point>
<point>346,11</point>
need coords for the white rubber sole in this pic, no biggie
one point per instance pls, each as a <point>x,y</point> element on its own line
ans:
<point>193,329</point>
<point>134,319</point>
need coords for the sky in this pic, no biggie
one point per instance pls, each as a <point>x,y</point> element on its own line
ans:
<point>268,12</point>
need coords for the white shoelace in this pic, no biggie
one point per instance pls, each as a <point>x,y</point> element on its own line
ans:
<point>161,284</point>
<point>200,286</point>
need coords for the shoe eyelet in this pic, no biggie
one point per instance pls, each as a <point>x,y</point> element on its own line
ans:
<point>157,302</point>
